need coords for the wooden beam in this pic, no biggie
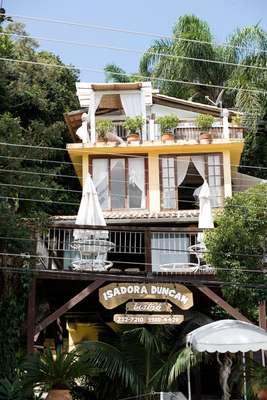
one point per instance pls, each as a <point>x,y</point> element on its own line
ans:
<point>31,316</point>
<point>222,303</point>
<point>67,306</point>
<point>262,315</point>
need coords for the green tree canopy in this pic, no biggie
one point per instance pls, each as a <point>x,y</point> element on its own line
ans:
<point>236,248</point>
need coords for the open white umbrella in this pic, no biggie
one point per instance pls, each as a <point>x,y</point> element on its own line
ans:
<point>205,219</point>
<point>90,213</point>
<point>227,336</point>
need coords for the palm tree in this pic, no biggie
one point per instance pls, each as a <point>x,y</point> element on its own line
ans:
<point>137,361</point>
<point>54,374</point>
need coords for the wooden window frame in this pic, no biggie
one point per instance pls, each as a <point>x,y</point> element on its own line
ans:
<point>175,174</point>
<point>126,183</point>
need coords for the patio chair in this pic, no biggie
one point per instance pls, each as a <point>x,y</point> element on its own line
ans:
<point>93,254</point>
<point>198,251</point>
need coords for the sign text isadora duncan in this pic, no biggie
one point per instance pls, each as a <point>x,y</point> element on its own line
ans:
<point>114,294</point>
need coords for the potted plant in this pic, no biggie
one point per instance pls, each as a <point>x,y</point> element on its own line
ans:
<point>134,126</point>
<point>167,123</point>
<point>55,375</point>
<point>237,120</point>
<point>204,123</point>
<point>259,382</point>
<point>103,127</point>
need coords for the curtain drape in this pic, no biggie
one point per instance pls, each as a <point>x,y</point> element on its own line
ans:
<point>131,103</point>
<point>100,178</point>
<point>182,167</point>
<point>137,177</point>
<point>199,163</point>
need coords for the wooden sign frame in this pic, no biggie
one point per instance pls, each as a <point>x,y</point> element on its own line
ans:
<point>149,306</point>
<point>115,294</point>
<point>150,319</point>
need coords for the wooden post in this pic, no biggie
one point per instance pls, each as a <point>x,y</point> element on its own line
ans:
<point>222,303</point>
<point>67,306</point>
<point>262,315</point>
<point>148,255</point>
<point>31,316</point>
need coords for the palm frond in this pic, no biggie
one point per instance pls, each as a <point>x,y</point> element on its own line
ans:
<point>112,361</point>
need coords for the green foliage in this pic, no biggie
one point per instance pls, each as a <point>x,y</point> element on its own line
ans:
<point>133,124</point>
<point>53,373</point>
<point>237,120</point>
<point>238,245</point>
<point>204,121</point>
<point>167,122</point>
<point>32,102</point>
<point>103,127</point>
<point>258,377</point>
<point>11,390</point>
<point>138,360</point>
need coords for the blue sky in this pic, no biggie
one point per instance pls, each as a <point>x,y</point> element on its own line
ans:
<point>154,16</point>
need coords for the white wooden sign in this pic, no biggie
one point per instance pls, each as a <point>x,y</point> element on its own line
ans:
<point>148,306</point>
<point>142,319</point>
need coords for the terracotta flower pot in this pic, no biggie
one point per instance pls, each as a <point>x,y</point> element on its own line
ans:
<point>167,136</point>
<point>59,394</point>
<point>133,137</point>
<point>262,394</point>
<point>205,137</point>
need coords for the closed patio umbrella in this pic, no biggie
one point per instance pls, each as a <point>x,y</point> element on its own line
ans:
<point>90,213</point>
<point>205,219</point>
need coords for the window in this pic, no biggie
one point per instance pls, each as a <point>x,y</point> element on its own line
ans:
<point>169,248</point>
<point>120,182</point>
<point>182,177</point>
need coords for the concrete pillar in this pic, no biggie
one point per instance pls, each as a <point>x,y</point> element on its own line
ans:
<point>227,176</point>
<point>225,113</point>
<point>153,183</point>
<point>85,167</point>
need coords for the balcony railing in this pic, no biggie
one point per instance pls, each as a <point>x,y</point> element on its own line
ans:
<point>186,131</point>
<point>135,249</point>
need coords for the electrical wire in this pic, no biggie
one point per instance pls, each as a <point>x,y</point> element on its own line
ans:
<point>132,32</point>
<point>128,50</point>
<point>135,263</point>
<point>102,71</point>
<point>117,155</point>
<point>167,250</point>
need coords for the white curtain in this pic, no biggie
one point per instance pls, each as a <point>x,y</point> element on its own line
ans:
<point>98,97</point>
<point>182,167</point>
<point>100,178</point>
<point>131,103</point>
<point>137,178</point>
<point>199,163</point>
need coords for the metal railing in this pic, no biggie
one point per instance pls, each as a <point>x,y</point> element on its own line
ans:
<point>134,247</point>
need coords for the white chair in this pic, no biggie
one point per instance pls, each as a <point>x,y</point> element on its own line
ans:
<point>93,254</point>
<point>198,250</point>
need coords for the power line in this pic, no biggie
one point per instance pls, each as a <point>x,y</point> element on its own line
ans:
<point>27,255</point>
<point>135,51</point>
<point>168,250</point>
<point>132,32</point>
<point>41,160</point>
<point>102,71</point>
<point>114,154</point>
<point>39,200</point>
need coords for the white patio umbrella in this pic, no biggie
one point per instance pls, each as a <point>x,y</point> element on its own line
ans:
<point>227,336</point>
<point>90,213</point>
<point>205,219</point>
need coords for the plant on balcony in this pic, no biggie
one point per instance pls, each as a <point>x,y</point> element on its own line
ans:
<point>55,375</point>
<point>204,123</point>
<point>134,126</point>
<point>167,123</point>
<point>259,382</point>
<point>103,127</point>
<point>237,120</point>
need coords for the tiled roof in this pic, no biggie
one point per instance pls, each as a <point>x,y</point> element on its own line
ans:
<point>141,215</point>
